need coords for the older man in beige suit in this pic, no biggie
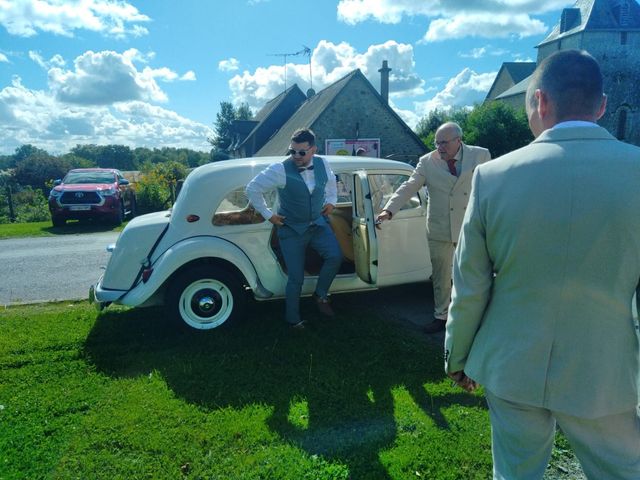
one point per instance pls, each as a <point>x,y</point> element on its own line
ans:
<point>544,276</point>
<point>446,172</point>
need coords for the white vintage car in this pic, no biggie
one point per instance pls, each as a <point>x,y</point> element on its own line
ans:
<point>205,256</point>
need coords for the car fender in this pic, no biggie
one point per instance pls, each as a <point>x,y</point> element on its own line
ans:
<point>179,254</point>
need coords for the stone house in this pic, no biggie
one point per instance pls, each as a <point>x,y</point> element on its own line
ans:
<point>349,109</point>
<point>610,31</point>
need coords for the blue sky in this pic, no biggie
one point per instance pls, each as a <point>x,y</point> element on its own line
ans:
<point>152,73</point>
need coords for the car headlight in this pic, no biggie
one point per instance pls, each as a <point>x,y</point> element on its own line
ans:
<point>55,193</point>
<point>109,191</point>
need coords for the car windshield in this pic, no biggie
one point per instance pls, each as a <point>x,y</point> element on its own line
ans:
<point>89,177</point>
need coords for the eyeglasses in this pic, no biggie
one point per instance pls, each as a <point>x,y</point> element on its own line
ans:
<point>298,153</point>
<point>444,143</point>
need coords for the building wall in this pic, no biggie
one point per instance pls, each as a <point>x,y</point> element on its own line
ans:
<point>515,101</point>
<point>620,64</point>
<point>502,84</point>
<point>357,112</point>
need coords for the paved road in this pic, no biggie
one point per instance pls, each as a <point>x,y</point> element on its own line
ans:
<point>45,269</point>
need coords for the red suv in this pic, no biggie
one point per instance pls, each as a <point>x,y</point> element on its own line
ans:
<point>97,193</point>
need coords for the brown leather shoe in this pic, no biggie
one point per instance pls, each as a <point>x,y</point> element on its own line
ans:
<point>436,326</point>
<point>324,306</point>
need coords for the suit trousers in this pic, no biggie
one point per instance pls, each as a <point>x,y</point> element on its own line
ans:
<point>522,439</point>
<point>442,264</point>
<point>293,247</point>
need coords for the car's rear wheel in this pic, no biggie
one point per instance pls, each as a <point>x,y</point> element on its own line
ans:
<point>205,297</point>
<point>118,217</point>
<point>133,207</point>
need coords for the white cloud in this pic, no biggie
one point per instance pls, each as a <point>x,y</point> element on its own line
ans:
<point>55,61</point>
<point>36,117</point>
<point>190,76</point>
<point>455,18</point>
<point>481,52</point>
<point>463,90</point>
<point>483,25</point>
<point>3,58</point>
<point>115,18</point>
<point>102,78</point>
<point>229,65</point>
<point>474,53</point>
<point>329,63</point>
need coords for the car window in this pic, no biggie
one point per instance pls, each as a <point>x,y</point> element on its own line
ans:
<point>344,185</point>
<point>382,187</point>
<point>88,177</point>
<point>234,209</point>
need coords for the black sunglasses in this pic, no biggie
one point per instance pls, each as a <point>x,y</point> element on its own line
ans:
<point>300,153</point>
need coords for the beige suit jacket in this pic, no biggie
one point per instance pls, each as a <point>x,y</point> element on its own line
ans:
<point>544,275</point>
<point>448,195</point>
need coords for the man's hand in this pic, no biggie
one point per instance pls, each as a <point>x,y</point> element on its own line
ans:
<point>383,216</point>
<point>460,378</point>
<point>327,209</point>
<point>277,219</point>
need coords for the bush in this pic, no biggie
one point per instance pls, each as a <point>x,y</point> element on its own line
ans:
<point>156,189</point>
<point>29,205</point>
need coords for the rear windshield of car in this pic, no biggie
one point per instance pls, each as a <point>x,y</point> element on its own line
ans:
<point>89,177</point>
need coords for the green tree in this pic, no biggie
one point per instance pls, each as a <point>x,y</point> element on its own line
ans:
<point>39,169</point>
<point>107,156</point>
<point>223,128</point>
<point>493,125</point>
<point>498,127</point>
<point>427,126</point>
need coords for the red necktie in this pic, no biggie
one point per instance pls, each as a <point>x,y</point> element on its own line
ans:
<point>451,163</point>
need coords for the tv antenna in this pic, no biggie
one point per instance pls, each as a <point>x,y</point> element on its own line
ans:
<point>305,51</point>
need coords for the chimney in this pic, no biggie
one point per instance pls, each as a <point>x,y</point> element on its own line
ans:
<point>384,81</point>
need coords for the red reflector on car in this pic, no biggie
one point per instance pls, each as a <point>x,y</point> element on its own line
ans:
<point>192,218</point>
<point>146,273</point>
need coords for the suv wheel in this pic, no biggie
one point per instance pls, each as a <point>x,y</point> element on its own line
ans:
<point>58,222</point>
<point>118,217</point>
<point>133,207</point>
<point>205,297</point>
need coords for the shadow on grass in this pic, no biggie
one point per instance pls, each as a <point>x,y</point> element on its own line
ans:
<point>346,370</point>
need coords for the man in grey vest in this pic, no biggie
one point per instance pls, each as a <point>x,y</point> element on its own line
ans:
<point>307,194</point>
<point>446,172</point>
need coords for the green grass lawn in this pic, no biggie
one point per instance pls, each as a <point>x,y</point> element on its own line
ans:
<point>127,395</point>
<point>44,229</point>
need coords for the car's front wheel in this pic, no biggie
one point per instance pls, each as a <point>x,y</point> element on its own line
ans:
<point>205,297</point>
<point>58,221</point>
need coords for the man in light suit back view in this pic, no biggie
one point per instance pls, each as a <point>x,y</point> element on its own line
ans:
<point>544,276</point>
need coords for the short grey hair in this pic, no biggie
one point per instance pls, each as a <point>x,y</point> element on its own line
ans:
<point>451,126</point>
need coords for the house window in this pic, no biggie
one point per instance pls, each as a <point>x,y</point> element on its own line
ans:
<point>621,131</point>
<point>623,38</point>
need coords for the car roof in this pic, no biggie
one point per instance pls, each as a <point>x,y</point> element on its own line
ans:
<point>249,167</point>
<point>95,169</point>
<point>209,183</point>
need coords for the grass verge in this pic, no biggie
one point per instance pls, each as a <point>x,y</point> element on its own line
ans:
<point>45,229</point>
<point>126,394</point>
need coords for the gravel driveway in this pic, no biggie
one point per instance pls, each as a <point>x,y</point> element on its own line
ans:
<point>45,269</point>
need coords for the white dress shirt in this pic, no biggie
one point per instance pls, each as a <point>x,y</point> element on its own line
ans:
<point>274,177</point>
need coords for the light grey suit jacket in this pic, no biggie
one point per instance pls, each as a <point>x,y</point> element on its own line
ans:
<point>544,275</point>
<point>448,195</point>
